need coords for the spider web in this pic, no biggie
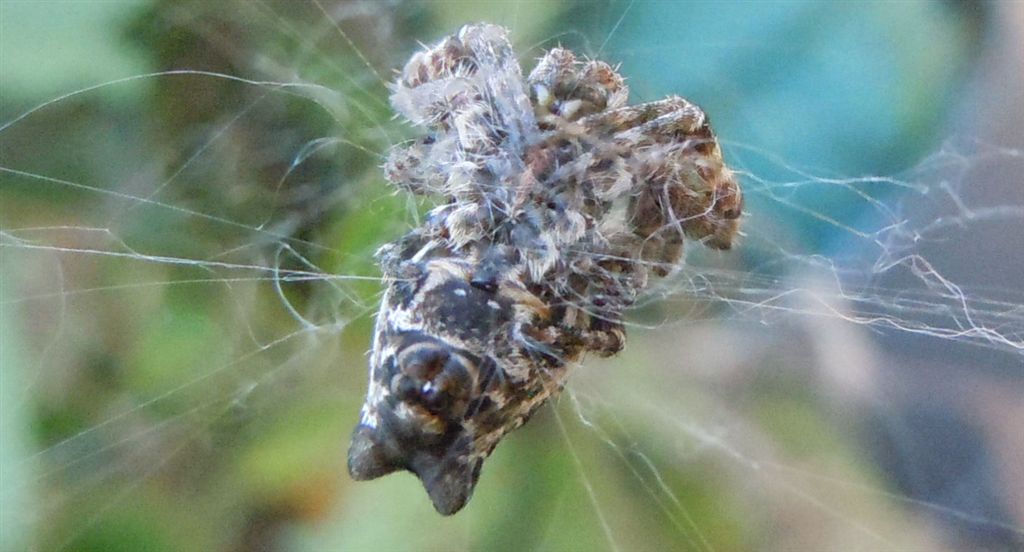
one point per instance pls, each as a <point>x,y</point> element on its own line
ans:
<point>187,294</point>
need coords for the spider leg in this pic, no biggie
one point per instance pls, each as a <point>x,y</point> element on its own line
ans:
<point>563,88</point>
<point>681,179</point>
<point>408,168</point>
<point>604,336</point>
<point>472,83</point>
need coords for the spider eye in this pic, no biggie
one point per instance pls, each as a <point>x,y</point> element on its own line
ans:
<point>488,284</point>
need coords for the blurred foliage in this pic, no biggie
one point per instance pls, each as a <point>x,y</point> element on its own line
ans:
<point>15,439</point>
<point>178,410</point>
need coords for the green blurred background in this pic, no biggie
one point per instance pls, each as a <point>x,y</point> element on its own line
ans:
<point>187,287</point>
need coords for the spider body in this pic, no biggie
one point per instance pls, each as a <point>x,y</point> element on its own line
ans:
<point>560,202</point>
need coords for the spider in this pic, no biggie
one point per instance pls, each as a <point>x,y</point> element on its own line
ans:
<point>557,204</point>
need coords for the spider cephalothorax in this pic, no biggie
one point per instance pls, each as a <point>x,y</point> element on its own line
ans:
<point>558,203</point>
